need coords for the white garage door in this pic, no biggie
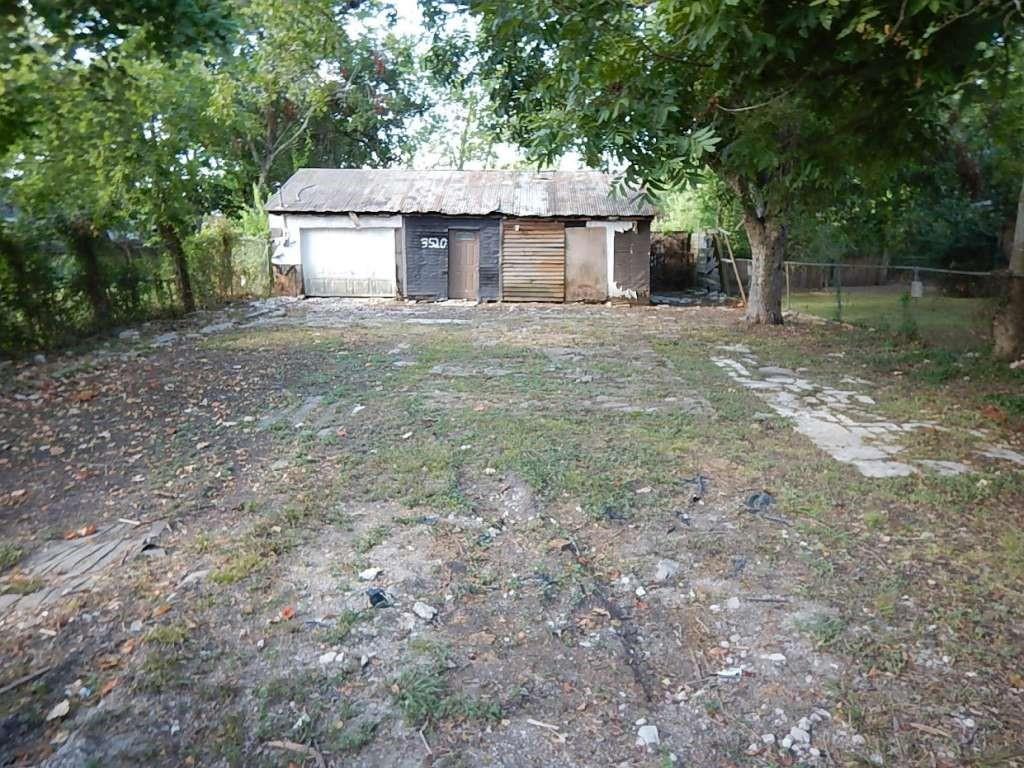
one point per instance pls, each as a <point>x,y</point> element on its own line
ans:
<point>348,262</point>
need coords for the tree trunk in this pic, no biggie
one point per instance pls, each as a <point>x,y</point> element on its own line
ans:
<point>767,276</point>
<point>83,241</point>
<point>1008,327</point>
<point>173,242</point>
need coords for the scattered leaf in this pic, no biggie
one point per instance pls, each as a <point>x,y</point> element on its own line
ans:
<point>80,533</point>
<point>288,613</point>
<point>994,412</point>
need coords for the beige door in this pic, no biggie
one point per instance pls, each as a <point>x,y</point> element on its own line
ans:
<point>586,264</point>
<point>463,264</point>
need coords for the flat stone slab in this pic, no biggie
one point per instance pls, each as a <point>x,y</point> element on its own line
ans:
<point>64,567</point>
<point>838,420</point>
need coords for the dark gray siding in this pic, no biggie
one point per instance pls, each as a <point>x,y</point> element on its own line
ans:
<point>426,264</point>
<point>633,259</point>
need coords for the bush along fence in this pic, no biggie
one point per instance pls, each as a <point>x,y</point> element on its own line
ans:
<point>51,294</point>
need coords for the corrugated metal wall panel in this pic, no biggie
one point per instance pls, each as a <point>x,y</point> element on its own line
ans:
<point>533,260</point>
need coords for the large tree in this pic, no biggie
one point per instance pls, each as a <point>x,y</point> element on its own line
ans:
<point>995,134</point>
<point>126,151</point>
<point>90,39</point>
<point>69,71</point>
<point>314,83</point>
<point>782,100</point>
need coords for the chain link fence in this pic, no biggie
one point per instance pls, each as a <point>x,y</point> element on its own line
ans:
<point>945,307</point>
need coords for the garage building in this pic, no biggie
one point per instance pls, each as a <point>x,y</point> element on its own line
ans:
<point>478,235</point>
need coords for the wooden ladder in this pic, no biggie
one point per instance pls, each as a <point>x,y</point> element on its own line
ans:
<point>721,236</point>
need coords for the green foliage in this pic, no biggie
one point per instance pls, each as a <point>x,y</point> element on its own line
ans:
<point>9,555</point>
<point>315,87</point>
<point>137,125</point>
<point>671,88</point>
<point>907,327</point>
<point>423,697</point>
<point>708,204</point>
<point>252,218</point>
<point>92,39</point>
<point>786,105</point>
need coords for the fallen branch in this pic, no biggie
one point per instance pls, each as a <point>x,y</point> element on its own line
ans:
<point>302,749</point>
<point>539,724</point>
<point>26,679</point>
<point>553,729</point>
<point>930,730</point>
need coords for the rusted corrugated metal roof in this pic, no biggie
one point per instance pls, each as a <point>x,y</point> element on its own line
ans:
<point>455,193</point>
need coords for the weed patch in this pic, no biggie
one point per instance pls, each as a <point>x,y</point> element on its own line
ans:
<point>423,697</point>
<point>9,555</point>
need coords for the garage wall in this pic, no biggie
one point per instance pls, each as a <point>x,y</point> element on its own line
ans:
<point>348,261</point>
<point>426,255</point>
<point>586,264</point>
<point>611,229</point>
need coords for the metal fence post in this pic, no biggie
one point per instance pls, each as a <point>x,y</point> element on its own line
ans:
<point>789,296</point>
<point>839,291</point>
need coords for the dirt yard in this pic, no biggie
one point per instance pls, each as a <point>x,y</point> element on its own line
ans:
<point>330,533</point>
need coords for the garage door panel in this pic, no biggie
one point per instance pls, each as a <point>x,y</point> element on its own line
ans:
<point>348,262</point>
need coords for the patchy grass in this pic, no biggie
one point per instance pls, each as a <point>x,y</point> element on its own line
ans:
<point>493,446</point>
<point>22,586</point>
<point>935,319</point>
<point>825,629</point>
<point>306,708</point>
<point>343,626</point>
<point>10,554</point>
<point>169,634</point>
<point>376,535</point>
<point>423,696</point>
<point>239,566</point>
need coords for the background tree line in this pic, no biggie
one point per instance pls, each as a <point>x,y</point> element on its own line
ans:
<point>889,128</point>
<point>130,123</point>
<point>881,120</point>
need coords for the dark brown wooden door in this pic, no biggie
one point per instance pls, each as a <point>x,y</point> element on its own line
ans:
<point>463,264</point>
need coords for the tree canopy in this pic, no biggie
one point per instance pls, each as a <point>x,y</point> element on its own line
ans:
<point>808,123</point>
<point>785,102</point>
<point>144,118</point>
